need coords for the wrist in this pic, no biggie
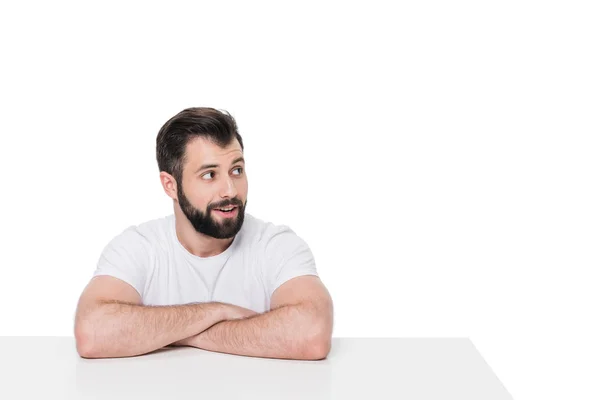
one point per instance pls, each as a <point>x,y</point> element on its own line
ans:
<point>222,312</point>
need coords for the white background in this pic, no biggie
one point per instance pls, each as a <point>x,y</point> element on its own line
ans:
<point>440,158</point>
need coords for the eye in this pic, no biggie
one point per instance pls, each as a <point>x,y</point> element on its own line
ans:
<point>210,172</point>
<point>240,169</point>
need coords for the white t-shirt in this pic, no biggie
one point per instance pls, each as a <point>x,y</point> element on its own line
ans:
<point>261,257</point>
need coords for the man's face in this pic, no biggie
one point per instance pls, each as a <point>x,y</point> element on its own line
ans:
<point>214,178</point>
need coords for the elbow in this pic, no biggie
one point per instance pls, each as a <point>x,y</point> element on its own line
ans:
<point>83,341</point>
<point>318,345</point>
<point>317,349</point>
<point>85,350</point>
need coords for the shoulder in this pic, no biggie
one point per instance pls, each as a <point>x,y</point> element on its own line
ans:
<point>282,254</point>
<point>143,236</point>
<point>130,254</point>
<point>156,231</point>
<point>272,239</point>
<point>262,232</point>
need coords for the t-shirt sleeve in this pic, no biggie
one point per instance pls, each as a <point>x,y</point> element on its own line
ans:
<point>287,256</point>
<point>127,258</point>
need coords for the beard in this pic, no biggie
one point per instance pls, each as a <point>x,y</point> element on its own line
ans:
<point>204,222</point>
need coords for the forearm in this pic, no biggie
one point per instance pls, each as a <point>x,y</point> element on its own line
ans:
<point>116,329</point>
<point>289,332</point>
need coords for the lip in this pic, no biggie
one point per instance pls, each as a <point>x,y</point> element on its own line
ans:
<point>227,215</point>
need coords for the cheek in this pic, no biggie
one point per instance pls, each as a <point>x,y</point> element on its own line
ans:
<point>242,188</point>
<point>199,200</point>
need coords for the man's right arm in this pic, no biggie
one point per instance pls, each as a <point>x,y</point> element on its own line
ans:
<point>112,322</point>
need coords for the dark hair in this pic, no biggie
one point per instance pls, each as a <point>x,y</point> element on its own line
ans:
<point>217,126</point>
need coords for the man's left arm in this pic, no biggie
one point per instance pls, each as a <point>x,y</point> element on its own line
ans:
<point>298,326</point>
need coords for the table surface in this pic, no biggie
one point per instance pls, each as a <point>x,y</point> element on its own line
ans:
<point>390,368</point>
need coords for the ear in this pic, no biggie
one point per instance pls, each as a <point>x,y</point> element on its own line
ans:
<point>169,184</point>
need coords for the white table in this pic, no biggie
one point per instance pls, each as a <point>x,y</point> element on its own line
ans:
<point>356,368</point>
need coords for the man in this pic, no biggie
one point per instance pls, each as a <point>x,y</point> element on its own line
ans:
<point>208,276</point>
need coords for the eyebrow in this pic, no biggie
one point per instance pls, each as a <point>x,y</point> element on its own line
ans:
<point>206,166</point>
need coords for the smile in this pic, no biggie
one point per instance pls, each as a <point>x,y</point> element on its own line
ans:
<point>227,212</point>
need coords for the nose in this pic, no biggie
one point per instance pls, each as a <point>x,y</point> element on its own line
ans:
<point>229,189</point>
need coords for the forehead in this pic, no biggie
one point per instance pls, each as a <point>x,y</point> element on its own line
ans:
<point>201,151</point>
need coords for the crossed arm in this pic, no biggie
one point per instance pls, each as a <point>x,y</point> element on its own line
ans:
<point>112,322</point>
<point>298,326</point>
